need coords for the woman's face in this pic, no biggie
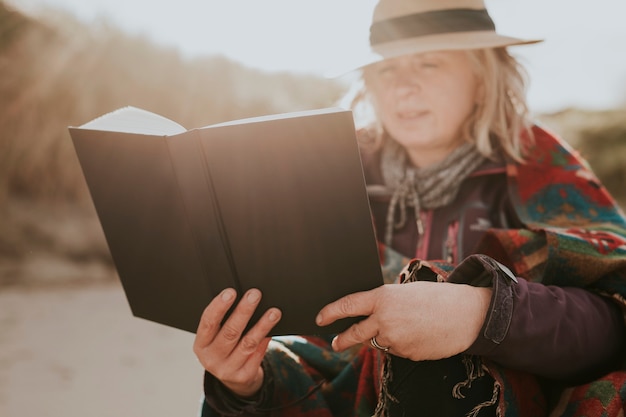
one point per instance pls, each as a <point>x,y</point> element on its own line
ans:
<point>423,101</point>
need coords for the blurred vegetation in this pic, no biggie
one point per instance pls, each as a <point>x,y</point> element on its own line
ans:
<point>56,72</point>
<point>59,72</point>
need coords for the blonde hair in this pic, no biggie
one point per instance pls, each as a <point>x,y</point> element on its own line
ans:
<point>501,115</point>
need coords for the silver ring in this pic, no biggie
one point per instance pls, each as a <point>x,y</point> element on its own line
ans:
<point>375,345</point>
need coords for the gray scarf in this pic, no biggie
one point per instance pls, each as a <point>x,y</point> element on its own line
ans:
<point>428,188</point>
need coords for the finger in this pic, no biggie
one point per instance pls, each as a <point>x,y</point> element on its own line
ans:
<point>352,305</point>
<point>253,361</point>
<point>360,332</point>
<point>257,357</point>
<point>244,362</point>
<point>212,317</point>
<point>249,379</point>
<point>249,351</point>
<point>228,336</point>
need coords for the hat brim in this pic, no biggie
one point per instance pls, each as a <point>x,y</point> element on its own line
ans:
<point>431,43</point>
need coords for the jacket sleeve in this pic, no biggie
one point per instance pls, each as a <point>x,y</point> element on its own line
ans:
<point>220,401</point>
<point>562,333</point>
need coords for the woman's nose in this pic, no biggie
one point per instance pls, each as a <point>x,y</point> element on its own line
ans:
<point>406,84</point>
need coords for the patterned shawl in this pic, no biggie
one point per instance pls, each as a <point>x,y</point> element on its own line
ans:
<point>575,236</point>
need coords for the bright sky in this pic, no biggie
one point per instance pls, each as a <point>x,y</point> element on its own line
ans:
<point>582,62</point>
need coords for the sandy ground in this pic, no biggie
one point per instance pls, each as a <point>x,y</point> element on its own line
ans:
<point>76,350</point>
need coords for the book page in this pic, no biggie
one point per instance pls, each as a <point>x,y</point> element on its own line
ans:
<point>134,120</point>
<point>279,116</point>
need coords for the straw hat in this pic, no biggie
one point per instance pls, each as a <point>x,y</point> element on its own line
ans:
<point>401,27</point>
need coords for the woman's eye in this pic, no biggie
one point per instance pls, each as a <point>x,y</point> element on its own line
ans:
<point>386,70</point>
<point>428,64</point>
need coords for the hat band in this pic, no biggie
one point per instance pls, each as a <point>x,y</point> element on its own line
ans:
<point>430,23</point>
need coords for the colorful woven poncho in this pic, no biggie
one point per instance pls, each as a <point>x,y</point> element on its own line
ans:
<point>575,236</point>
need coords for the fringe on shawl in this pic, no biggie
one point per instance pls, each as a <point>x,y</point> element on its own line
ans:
<point>384,396</point>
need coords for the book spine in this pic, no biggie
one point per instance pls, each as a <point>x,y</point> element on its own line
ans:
<point>201,207</point>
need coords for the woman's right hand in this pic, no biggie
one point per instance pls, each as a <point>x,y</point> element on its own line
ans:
<point>224,351</point>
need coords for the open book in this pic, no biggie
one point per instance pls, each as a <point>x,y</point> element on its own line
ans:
<point>277,203</point>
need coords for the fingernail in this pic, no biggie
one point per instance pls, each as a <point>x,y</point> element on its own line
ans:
<point>334,343</point>
<point>273,316</point>
<point>227,294</point>
<point>318,319</point>
<point>253,296</point>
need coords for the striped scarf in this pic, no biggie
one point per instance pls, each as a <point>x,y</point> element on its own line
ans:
<point>422,188</point>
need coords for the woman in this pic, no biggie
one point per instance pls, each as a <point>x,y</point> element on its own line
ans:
<point>523,296</point>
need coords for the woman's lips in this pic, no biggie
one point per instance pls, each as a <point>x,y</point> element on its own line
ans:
<point>413,114</point>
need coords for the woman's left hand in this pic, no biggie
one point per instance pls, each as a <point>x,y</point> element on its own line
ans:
<point>418,320</point>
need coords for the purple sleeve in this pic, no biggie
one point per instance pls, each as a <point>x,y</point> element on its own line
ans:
<point>561,333</point>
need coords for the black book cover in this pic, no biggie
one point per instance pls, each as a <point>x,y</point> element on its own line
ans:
<point>277,203</point>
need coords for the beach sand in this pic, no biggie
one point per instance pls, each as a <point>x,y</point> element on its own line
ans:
<point>76,350</point>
